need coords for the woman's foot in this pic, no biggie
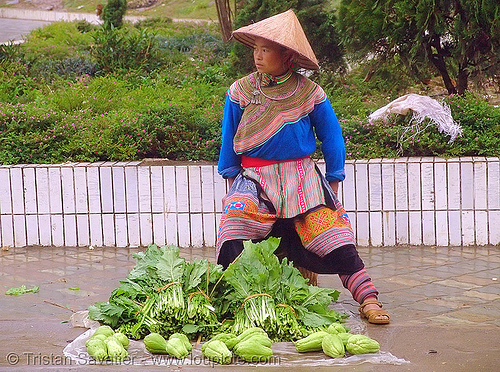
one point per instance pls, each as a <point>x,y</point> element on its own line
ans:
<point>372,310</point>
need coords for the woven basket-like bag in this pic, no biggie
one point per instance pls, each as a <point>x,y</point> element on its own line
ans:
<point>308,274</point>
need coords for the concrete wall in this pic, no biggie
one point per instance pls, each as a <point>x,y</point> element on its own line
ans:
<point>406,201</point>
<point>48,16</point>
<point>54,16</point>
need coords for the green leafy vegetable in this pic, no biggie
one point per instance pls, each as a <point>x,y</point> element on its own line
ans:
<point>14,291</point>
<point>274,295</point>
<point>170,266</point>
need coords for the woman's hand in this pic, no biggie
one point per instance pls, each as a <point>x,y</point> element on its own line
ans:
<point>335,186</point>
<point>230,182</point>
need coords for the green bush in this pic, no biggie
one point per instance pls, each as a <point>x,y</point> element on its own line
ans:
<point>28,134</point>
<point>113,12</point>
<point>10,52</point>
<point>16,84</point>
<point>113,118</point>
<point>84,26</point>
<point>153,23</point>
<point>69,68</point>
<point>58,50</point>
<point>481,126</point>
<point>100,95</point>
<point>178,134</point>
<point>56,41</point>
<point>116,50</point>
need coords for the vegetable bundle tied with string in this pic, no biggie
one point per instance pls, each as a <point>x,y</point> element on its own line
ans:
<point>254,286</point>
<point>162,294</point>
<point>274,295</point>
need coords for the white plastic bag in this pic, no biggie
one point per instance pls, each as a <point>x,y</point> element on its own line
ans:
<point>284,353</point>
<point>81,319</point>
<point>422,107</point>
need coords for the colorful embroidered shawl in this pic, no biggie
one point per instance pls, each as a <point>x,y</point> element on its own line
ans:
<point>263,117</point>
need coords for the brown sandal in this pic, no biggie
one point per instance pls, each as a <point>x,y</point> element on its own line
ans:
<point>371,315</point>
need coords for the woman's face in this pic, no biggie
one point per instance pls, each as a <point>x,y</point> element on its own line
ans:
<point>270,58</point>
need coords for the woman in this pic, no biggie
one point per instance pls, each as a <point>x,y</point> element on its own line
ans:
<point>270,121</point>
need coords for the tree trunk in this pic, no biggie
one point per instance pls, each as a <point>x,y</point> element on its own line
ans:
<point>437,60</point>
<point>463,79</point>
<point>224,15</point>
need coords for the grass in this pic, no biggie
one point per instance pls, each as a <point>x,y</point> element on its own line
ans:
<point>197,9</point>
<point>178,9</point>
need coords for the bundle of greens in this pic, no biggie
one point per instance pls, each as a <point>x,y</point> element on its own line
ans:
<point>165,294</point>
<point>273,295</point>
<point>162,293</point>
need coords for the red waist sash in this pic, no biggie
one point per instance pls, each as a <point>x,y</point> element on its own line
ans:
<point>250,162</point>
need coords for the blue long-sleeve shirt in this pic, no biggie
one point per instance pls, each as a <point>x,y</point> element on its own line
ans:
<point>295,140</point>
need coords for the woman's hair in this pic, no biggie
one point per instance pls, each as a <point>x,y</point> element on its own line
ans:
<point>291,57</point>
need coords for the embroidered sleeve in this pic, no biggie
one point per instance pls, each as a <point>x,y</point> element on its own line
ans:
<point>319,95</point>
<point>240,92</point>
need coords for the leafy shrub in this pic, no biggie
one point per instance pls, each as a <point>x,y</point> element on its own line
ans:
<point>84,26</point>
<point>187,43</point>
<point>175,133</point>
<point>480,122</point>
<point>56,41</point>
<point>153,23</point>
<point>16,85</point>
<point>123,49</point>
<point>101,95</point>
<point>112,118</point>
<point>10,52</point>
<point>27,134</point>
<point>113,12</point>
<point>69,68</point>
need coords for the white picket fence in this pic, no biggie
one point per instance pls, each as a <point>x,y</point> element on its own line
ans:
<point>406,201</point>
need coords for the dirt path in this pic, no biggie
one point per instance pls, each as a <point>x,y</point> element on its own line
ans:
<point>35,4</point>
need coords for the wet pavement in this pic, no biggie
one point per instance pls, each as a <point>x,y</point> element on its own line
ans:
<point>444,303</point>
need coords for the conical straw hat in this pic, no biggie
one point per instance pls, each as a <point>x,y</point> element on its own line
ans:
<point>283,29</point>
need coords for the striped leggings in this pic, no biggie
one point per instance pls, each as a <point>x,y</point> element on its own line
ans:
<point>360,285</point>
